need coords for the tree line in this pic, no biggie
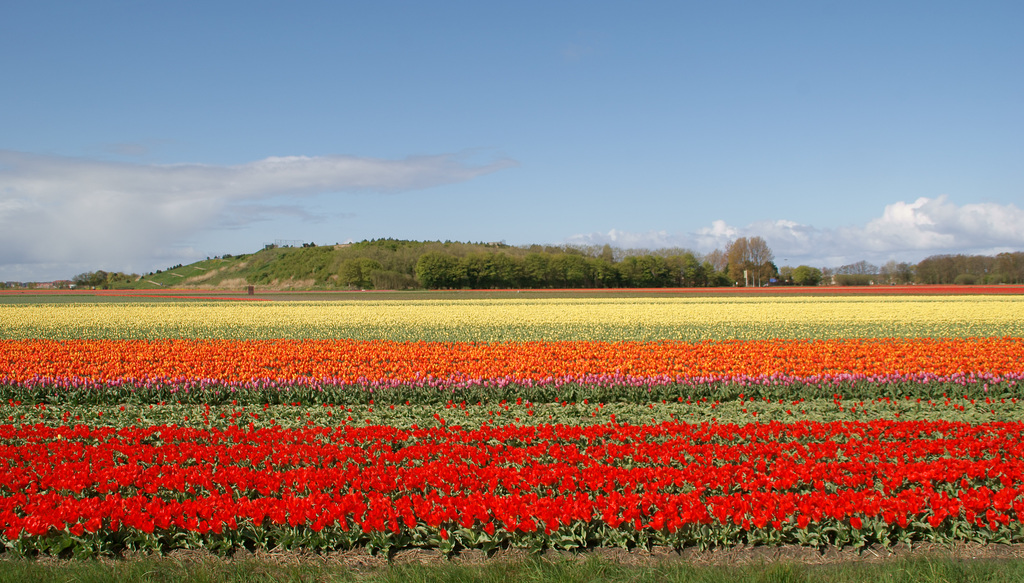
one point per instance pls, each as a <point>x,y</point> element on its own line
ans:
<point>1004,268</point>
<point>495,270</point>
<point>746,261</point>
<point>397,264</point>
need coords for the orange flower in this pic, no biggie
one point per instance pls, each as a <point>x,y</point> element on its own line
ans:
<point>352,361</point>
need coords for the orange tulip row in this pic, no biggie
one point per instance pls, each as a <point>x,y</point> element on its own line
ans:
<point>348,361</point>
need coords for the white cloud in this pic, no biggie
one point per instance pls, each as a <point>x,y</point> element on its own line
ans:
<point>904,231</point>
<point>628,240</point>
<point>60,211</point>
<point>928,224</point>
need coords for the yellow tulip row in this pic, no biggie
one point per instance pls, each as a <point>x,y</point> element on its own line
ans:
<point>530,319</point>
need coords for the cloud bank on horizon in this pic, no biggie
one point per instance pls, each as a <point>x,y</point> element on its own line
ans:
<point>904,232</point>
<point>61,215</point>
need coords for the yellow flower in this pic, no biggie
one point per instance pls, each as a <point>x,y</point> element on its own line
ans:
<point>656,318</point>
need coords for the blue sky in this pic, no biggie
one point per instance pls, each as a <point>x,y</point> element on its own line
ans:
<point>137,135</point>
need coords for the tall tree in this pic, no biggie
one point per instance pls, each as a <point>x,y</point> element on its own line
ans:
<point>753,256</point>
<point>718,259</point>
<point>739,261</point>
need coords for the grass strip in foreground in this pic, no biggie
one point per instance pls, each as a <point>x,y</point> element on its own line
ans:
<point>531,570</point>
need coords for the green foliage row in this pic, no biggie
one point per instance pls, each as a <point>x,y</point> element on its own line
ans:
<point>722,391</point>
<point>774,400</point>
<point>475,413</point>
<point>823,534</point>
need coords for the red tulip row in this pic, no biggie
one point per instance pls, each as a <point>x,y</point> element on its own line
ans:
<point>502,482</point>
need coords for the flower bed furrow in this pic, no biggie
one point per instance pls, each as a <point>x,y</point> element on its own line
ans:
<point>729,405</point>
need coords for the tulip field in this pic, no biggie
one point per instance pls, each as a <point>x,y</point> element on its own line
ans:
<point>609,319</point>
<point>558,423</point>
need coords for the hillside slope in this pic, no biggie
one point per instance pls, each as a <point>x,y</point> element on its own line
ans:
<point>381,264</point>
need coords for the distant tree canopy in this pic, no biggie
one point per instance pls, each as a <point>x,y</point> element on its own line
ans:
<point>357,272</point>
<point>982,269</point>
<point>102,279</point>
<point>399,264</point>
<point>937,269</point>
<point>436,270</point>
<point>497,270</point>
<point>806,275</point>
<point>896,273</point>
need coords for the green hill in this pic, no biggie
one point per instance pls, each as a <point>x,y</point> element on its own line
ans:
<point>399,264</point>
<point>350,266</point>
